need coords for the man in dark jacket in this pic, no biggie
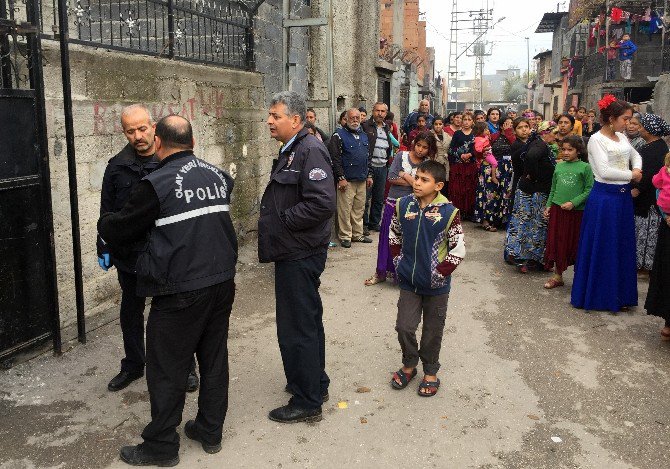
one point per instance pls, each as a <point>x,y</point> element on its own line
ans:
<point>187,266</point>
<point>380,151</point>
<point>122,174</point>
<point>293,232</point>
<point>411,120</point>
<point>351,157</point>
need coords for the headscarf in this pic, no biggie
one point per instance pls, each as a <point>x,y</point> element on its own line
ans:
<point>655,125</point>
<point>545,127</point>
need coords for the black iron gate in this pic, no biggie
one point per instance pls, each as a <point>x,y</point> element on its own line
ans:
<point>28,297</point>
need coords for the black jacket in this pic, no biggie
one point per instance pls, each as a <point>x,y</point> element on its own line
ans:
<point>538,169</point>
<point>124,171</point>
<point>298,203</point>
<point>370,128</point>
<point>653,155</point>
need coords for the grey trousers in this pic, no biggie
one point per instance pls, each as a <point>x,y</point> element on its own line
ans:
<point>626,69</point>
<point>410,309</point>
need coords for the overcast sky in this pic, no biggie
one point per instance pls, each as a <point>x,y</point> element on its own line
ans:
<point>506,39</point>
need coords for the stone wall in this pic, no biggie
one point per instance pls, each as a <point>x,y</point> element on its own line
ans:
<point>661,102</point>
<point>227,110</point>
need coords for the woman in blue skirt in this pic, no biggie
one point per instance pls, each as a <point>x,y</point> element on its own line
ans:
<point>605,271</point>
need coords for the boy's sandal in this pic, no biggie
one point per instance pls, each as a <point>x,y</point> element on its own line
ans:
<point>429,387</point>
<point>665,333</point>
<point>375,279</point>
<point>553,283</point>
<point>404,378</point>
<point>491,228</point>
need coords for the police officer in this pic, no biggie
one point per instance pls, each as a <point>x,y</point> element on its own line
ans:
<point>188,267</point>
<point>293,232</point>
<point>122,174</point>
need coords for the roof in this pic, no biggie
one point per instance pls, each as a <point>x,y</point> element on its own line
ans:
<point>550,22</point>
<point>542,54</point>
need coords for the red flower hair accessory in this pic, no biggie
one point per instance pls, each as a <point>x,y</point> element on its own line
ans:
<point>605,102</point>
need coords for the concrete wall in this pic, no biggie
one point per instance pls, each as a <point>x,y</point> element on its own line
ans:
<point>661,103</point>
<point>226,107</point>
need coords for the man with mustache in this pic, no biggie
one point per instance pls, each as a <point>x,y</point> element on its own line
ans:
<point>122,174</point>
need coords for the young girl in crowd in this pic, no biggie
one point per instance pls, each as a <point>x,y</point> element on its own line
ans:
<point>401,176</point>
<point>463,168</point>
<point>661,182</point>
<point>420,128</point>
<point>570,187</point>
<point>483,147</point>
<point>442,139</point>
<point>605,270</point>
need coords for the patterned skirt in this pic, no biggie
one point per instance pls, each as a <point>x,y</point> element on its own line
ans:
<point>493,201</point>
<point>646,236</point>
<point>527,229</point>
<point>462,186</point>
<point>562,238</point>
<point>384,259</point>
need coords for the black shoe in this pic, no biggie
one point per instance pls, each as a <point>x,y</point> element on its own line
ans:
<point>345,243</point>
<point>292,414</point>
<point>191,432</point>
<point>136,456</point>
<point>324,397</point>
<point>362,239</point>
<point>375,228</point>
<point>122,380</point>
<point>193,382</point>
<point>366,231</point>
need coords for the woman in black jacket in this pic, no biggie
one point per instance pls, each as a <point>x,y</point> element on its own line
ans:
<point>527,229</point>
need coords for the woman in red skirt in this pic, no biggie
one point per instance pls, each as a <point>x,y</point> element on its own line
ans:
<point>570,187</point>
<point>463,171</point>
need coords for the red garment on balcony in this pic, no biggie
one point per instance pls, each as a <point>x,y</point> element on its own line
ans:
<point>617,15</point>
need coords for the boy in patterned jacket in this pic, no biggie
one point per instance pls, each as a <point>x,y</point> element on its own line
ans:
<point>426,239</point>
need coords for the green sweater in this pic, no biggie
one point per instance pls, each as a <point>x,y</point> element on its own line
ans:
<point>572,182</point>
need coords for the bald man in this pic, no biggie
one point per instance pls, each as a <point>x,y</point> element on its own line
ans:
<point>411,120</point>
<point>124,171</point>
<point>182,213</point>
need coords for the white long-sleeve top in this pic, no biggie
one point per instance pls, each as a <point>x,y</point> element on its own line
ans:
<point>611,161</point>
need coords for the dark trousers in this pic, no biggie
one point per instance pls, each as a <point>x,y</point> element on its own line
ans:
<point>374,203</point>
<point>410,308</point>
<point>132,323</point>
<point>300,328</point>
<point>180,325</point>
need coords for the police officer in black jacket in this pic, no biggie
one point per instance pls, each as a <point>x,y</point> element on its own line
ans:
<point>293,232</point>
<point>122,174</point>
<point>188,266</point>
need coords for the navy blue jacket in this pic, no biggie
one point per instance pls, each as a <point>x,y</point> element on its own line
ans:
<point>351,155</point>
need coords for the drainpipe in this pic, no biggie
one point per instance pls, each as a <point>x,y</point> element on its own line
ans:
<point>286,12</point>
<point>328,8</point>
<point>71,168</point>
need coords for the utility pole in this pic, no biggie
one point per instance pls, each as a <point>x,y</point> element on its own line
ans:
<point>452,72</point>
<point>528,71</point>
<point>480,26</point>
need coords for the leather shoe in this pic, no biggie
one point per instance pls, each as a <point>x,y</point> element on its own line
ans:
<point>324,397</point>
<point>345,243</point>
<point>366,231</point>
<point>191,431</point>
<point>122,380</point>
<point>137,456</point>
<point>293,414</point>
<point>193,382</point>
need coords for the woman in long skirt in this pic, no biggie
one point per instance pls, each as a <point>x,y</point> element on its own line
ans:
<point>605,271</point>
<point>527,229</point>
<point>647,218</point>
<point>401,174</point>
<point>492,206</point>
<point>658,297</point>
<point>463,168</point>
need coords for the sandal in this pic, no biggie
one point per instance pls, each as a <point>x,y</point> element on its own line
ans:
<point>553,283</point>
<point>430,387</point>
<point>665,333</point>
<point>374,280</point>
<point>404,378</point>
<point>491,228</point>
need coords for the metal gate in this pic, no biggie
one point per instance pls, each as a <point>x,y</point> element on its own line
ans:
<point>28,297</point>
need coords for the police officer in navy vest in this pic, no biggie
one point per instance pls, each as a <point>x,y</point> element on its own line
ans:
<point>352,166</point>
<point>293,232</point>
<point>181,210</point>
<point>122,174</point>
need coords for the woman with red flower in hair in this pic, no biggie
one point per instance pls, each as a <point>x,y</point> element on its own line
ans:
<point>605,270</point>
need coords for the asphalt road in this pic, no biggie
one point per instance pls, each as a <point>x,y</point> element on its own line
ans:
<point>527,382</point>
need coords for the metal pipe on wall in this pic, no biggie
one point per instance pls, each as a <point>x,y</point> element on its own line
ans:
<point>63,34</point>
<point>328,7</point>
<point>286,12</point>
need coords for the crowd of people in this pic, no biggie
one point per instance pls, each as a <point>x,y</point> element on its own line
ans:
<point>581,189</point>
<point>591,200</point>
